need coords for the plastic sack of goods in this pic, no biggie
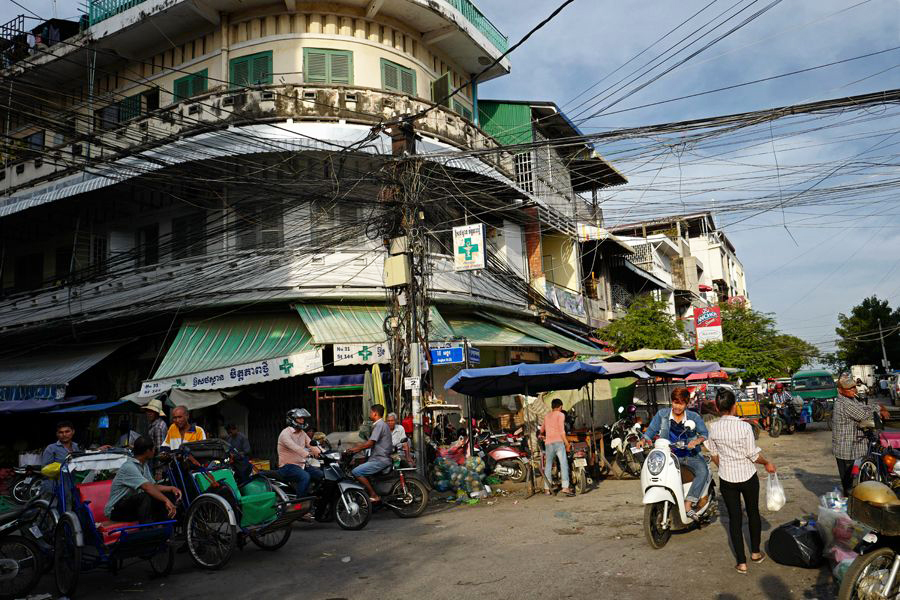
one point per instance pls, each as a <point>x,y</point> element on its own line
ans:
<point>467,477</point>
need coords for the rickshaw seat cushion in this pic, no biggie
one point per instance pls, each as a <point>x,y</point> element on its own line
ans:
<point>96,495</point>
<point>890,439</point>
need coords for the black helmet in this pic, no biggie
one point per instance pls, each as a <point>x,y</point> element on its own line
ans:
<point>294,414</point>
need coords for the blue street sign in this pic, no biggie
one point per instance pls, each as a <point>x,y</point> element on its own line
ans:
<point>474,355</point>
<point>447,356</point>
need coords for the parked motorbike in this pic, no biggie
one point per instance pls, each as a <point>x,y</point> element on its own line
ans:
<point>22,558</point>
<point>26,484</point>
<point>504,455</point>
<point>339,496</point>
<point>576,458</point>
<point>627,455</point>
<point>881,463</point>
<point>665,484</point>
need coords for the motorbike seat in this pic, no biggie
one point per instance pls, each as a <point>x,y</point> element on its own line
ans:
<point>276,476</point>
<point>890,439</point>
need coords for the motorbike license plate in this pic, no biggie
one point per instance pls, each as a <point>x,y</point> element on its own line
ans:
<point>28,479</point>
<point>580,462</point>
<point>35,531</point>
<point>481,453</point>
<point>636,450</point>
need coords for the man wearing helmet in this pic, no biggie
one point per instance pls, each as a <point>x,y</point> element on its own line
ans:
<point>293,450</point>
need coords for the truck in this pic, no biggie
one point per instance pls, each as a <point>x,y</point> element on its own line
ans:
<point>865,373</point>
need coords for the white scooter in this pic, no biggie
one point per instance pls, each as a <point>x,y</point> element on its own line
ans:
<point>665,484</point>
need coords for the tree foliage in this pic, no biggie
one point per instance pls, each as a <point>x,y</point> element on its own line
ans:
<point>646,324</point>
<point>859,342</point>
<point>752,343</point>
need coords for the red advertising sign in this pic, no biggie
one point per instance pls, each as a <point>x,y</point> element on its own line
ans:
<point>708,324</point>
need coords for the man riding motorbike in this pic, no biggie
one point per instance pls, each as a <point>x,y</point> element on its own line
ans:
<point>293,450</point>
<point>787,405</point>
<point>669,423</point>
<point>382,446</point>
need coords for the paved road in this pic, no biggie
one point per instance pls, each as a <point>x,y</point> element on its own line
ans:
<point>591,546</point>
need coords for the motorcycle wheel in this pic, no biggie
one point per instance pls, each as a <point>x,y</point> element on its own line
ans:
<point>868,471</point>
<point>776,427</point>
<point>413,501</point>
<point>520,474</point>
<point>581,483</point>
<point>273,540</point>
<point>866,572</point>
<point>360,518</point>
<point>616,467</point>
<point>20,491</point>
<point>755,431</point>
<point>28,567</point>
<point>657,536</point>
<point>66,557</point>
<point>818,411</point>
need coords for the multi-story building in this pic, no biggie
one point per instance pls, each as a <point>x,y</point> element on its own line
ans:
<point>196,197</point>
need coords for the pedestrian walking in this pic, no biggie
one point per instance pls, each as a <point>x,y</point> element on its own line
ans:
<point>556,446</point>
<point>735,453</point>
<point>848,441</point>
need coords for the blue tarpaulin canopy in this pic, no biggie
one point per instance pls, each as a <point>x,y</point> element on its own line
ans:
<point>26,406</point>
<point>524,378</point>
<point>681,368</point>
<point>90,407</point>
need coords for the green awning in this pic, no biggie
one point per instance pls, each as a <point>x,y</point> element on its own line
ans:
<point>485,333</point>
<point>234,351</point>
<point>547,335</point>
<point>355,324</point>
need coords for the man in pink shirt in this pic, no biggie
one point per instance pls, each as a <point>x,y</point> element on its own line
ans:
<point>294,449</point>
<point>556,445</point>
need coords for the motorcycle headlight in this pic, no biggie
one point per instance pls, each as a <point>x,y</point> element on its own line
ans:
<point>656,461</point>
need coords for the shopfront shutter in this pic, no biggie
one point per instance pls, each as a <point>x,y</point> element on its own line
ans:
<point>341,68</point>
<point>315,65</point>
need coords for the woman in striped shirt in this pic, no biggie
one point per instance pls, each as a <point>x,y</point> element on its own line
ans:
<point>734,451</point>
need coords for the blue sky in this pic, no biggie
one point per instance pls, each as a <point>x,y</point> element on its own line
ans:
<point>829,257</point>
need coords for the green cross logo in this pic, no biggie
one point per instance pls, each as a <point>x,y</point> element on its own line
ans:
<point>178,383</point>
<point>365,353</point>
<point>468,248</point>
<point>286,366</point>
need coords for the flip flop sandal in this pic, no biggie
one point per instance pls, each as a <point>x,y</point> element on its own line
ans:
<point>691,514</point>
<point>760,559</point>
<point>570,494</point>
<point>741,571</point>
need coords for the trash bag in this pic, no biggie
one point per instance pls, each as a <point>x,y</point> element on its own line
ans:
<point>796,544</point>
<point>775,498</point>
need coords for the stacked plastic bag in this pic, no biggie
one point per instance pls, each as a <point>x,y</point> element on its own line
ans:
<point>467,478</point>
<point>841,534</point>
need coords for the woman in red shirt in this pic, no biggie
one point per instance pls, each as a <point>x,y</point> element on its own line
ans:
<point>556,445</point>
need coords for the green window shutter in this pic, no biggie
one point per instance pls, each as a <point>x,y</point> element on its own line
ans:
<point>129,108</point>
<point>240,72</point>
<point>315,65</point>
<point>440,90</point>
<point>199,82</point>
<point>340,67</point>
<point>462,109</point>
<point>191,85</point>
<point>408,81</point>
<point>261,68</point>
<point>390,76</point>
<point>182,89</point>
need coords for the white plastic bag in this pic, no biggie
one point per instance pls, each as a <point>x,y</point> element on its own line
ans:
<point>775,499</point>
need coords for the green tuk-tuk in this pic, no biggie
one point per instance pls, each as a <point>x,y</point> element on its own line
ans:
<point>817,388</point>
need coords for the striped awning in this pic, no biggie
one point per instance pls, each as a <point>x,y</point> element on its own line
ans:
<point>237,350</point>
<point>547,335</point>
<point>485,333</point>
<point>44,374</point>
<point>359,324</point>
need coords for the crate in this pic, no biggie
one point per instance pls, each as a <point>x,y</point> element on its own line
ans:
<point>506,421</point>
<point>260,465</point>
<point>883,519</point>
<point>748,409</point>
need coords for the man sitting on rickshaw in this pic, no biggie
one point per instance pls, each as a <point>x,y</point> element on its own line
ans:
<point>133,495</point>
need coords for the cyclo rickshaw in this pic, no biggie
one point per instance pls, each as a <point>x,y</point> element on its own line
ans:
<point>218,513</point>
<point>85,538</point>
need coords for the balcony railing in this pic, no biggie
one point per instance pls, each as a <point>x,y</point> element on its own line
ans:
<point>481,23</point>
<point>100,10</point>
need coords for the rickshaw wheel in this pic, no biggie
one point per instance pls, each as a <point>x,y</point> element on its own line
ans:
<point>273,540</point>
<point>161,563</point>
<point>211,537</point>
<point>66,557</point>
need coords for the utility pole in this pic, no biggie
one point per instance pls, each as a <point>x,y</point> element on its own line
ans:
<point>884,359</point>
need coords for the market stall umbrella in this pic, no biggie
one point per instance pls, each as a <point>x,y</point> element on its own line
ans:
<point>648,354</point>
<point>704,376</point>
<point>524,379</point>
<point>681,368</point>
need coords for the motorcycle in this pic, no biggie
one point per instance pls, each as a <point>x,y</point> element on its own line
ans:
<point>502,457</point>
<point>339,496</point>
<point>882,461</point>
<point>26,484</point>
<point>665,484</point>
<point>627,455</point>
<point>400,488</point>
<point>23,549</point>
<point>576,458</point>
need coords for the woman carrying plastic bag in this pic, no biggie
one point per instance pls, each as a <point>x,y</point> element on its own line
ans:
<point>775,499</point>
<point>735,452</point>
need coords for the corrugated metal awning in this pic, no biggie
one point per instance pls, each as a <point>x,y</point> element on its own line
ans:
<point>56,367</point>
<point>359,324</point>
<point>485,333</point>
<point>237,350</point>
<point>547,335</point>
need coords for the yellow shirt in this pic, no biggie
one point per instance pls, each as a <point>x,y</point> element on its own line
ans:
<point>174,438</point>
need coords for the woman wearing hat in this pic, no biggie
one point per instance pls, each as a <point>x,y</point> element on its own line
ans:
<point>847,439</point>
<point>158,427</point>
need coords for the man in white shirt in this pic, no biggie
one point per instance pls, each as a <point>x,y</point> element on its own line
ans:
<point>398,434</point>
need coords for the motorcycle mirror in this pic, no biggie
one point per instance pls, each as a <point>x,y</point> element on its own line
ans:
<point>621,409</point>
<point>689,424</point>
<point>313,443</point>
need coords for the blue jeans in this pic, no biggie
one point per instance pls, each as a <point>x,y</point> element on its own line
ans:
<point>555,450</point>
<point>297,476</point>
<point>315,473</point>
<point>700,470</point>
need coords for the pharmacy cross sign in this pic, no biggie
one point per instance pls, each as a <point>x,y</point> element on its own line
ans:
<point>286,366</point>
<point>365,353</point>
<point>468,248</point>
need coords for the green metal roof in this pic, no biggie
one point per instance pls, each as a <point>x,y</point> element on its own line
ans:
<point>484,333</point>
<point>355,324</point>
<point>542,333</point>
<point>235,340</point>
